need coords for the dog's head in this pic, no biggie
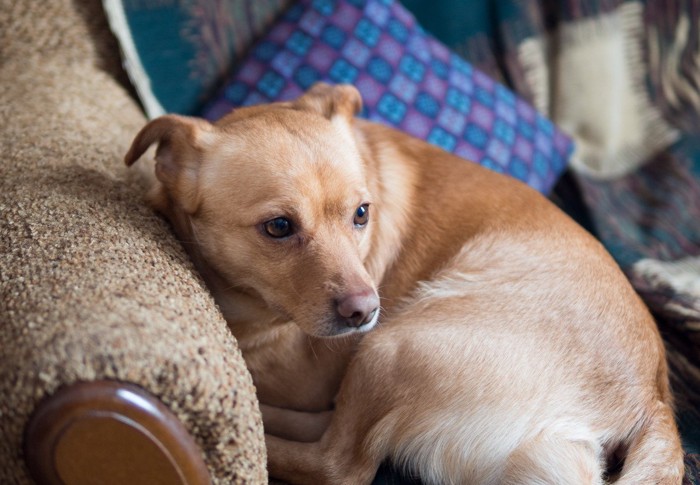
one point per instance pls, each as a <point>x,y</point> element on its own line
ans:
<point>278,203</point>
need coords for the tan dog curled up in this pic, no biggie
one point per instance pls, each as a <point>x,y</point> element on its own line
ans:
<point>509,347</point>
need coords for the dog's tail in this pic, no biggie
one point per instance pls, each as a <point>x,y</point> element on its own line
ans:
<point>654,455</point>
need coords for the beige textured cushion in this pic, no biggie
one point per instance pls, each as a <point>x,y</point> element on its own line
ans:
<point>92,283</point>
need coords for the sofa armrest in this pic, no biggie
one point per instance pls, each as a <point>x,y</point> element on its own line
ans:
<point>93,285</point>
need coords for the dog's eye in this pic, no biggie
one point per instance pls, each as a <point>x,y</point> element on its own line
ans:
<point>279,227</point>
<point>362,215</point>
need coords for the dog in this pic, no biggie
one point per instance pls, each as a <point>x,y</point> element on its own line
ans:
<point>393,301</point>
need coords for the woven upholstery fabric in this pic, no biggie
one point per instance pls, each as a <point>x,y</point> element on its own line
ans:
<point>92,283</point>
<point>408,80</point>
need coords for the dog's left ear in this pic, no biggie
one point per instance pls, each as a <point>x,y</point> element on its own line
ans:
<point>181,141</point>
<point>331,100</point>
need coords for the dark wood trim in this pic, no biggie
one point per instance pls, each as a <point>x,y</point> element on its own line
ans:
<point>110,432</point>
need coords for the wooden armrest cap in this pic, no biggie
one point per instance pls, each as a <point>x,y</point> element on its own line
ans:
<point>109,432</point>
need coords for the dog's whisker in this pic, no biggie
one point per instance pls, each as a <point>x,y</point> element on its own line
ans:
<point>311,344</point>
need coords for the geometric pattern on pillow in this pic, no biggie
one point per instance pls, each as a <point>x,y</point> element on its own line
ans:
<point>407,79</point>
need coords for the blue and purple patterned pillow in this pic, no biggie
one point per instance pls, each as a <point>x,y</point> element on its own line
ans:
<point>408,80</point>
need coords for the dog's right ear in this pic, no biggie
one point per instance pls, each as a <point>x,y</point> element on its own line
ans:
<point>181,141</point>
<point>331,100</point>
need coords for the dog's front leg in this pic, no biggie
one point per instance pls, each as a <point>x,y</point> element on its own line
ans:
<point>295,425</point>
<point>319,463</point>
<point>294,462</point>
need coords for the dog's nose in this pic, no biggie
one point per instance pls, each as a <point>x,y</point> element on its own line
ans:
<point>358,309</point>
